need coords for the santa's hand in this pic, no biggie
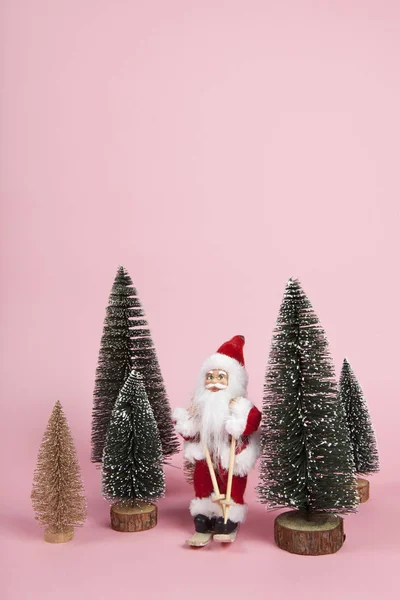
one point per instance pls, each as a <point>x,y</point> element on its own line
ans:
<point>226,502</point>
<point>217,499</point>
<point>236,423</point>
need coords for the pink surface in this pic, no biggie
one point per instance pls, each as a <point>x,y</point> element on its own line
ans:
<point>214,149</point>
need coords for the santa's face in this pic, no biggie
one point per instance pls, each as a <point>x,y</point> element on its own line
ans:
<point>216,380</point>
<point>212,409</point>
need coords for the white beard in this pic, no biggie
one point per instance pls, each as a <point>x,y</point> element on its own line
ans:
<point>213,412</point>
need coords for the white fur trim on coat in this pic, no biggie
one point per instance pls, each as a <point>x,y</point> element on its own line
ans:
<point>238,377</point>
<point>236,424</point>
<point>184,424</point>
<point>204,506</point>
<point>193,451</point>
<point>246,458</point>
<point>238,512</point>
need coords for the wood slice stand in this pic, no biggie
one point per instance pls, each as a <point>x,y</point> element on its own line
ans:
<point>58,537</point>
<point>363,489</point>
<point>321,533</point>
<point>137,516</point>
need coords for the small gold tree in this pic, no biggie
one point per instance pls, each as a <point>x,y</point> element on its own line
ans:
<point>57,494</point>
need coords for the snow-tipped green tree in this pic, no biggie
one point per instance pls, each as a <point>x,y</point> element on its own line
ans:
<point>306,458</point>
<point>132,461</point>
<point>115,358</point>
<point>362,436</point>
<point>126,343</point>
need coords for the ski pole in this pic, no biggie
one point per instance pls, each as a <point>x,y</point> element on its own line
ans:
<point>230,477</point>
<point>218,495</point>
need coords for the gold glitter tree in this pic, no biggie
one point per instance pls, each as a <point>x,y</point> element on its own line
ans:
<point>57,494</point>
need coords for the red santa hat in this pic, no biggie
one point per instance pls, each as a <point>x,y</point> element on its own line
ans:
<point>233,348</point>
<point>229,357</point>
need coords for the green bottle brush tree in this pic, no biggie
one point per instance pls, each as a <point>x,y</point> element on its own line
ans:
<point>132,469</point>
<point>306,461</point>
<point>362,436</point>
<point>126,344</point>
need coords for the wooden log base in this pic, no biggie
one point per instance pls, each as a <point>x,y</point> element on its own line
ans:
<point>137,516</point>
<point>58,537</point>
<point>322,533</point>
<point>363,489</point>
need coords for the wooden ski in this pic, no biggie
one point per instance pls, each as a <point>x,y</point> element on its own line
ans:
<point>199,539</point>
<point>225,538</point>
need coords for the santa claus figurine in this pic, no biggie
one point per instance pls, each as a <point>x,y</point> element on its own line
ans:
<point>221,439</point>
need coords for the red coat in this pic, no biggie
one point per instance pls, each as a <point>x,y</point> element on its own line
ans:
<point>242,424</point>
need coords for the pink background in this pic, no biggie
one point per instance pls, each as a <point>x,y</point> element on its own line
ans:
<point>214,148</point>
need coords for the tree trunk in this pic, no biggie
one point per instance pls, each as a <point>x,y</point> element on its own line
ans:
<point>58,537</point>
<point>315,534</point>
<point>363,489</point>
<point>135,516</point>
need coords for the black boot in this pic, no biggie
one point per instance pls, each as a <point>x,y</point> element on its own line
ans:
<point>204,524</point>
<point>225,528</point>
